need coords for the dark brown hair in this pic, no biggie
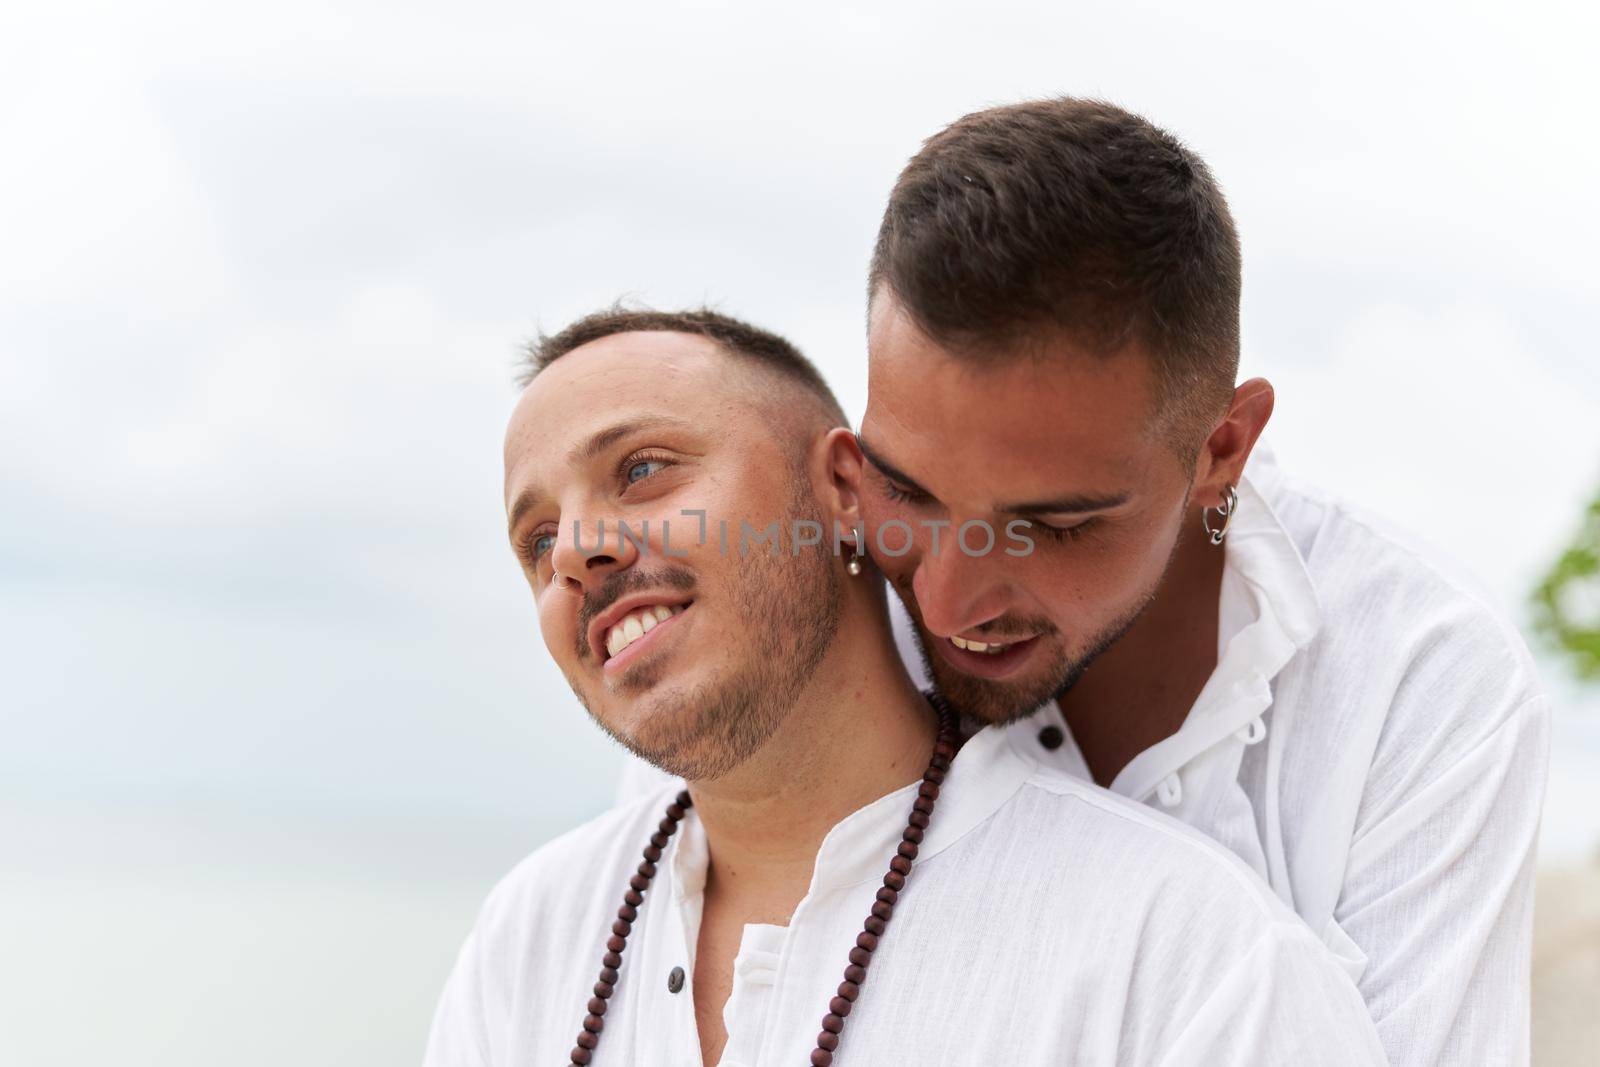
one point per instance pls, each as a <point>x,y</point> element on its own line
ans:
<point>1072,215</point>
<point>734,336</point>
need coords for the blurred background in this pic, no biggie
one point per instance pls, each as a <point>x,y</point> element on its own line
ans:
<point>274,711</point>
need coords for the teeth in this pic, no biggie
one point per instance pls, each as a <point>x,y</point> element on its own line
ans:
<point>979,646</point>
<point>637,623</point>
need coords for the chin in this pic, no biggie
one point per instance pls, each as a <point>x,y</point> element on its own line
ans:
<point>992,702</point>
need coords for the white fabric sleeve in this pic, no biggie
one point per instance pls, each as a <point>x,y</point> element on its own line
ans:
<point>1285,1001</point>
<point>457,1037</point>
<point>1438,894</point>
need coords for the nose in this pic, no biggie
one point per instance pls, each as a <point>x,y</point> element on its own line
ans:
<point>587,552</point>
<point>956,592</point>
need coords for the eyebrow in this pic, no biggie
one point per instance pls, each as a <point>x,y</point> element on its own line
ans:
<point>587,450</point>
<point>1072,504</point>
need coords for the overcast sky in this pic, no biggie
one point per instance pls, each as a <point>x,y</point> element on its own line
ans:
<point>263,273</point>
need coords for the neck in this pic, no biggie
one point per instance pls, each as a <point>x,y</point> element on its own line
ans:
<point>859,730</point>
<point>1139,691</point>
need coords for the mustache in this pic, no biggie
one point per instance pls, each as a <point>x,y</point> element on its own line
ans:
<point>621,584</point>
<point>1005,626</point>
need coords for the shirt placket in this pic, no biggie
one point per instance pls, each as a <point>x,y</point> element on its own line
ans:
<point>748,1012</point>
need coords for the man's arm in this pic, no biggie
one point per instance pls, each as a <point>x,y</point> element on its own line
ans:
<point>1283,1002</point>
<point>458,1037</point>
<point>1438,891</point>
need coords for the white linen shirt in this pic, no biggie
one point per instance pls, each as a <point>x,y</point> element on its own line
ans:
<point>1374,744</point>
<point>1045,922</point>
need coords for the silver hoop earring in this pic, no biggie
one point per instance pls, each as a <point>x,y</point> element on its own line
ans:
<point>1230,504</point>
<point>852,565</point>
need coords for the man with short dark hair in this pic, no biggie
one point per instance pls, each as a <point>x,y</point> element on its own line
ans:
<point>1055,336</point>
<point>843,879</point>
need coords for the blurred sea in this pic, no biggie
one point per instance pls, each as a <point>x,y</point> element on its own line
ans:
<point>188,930</point>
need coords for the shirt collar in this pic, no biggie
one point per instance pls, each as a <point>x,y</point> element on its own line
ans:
<point>1261,552</point>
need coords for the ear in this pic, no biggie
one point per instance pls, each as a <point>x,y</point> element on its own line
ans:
<point>1222,457</point>
<point>842,469</point>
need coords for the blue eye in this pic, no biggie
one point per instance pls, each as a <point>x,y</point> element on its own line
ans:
<point>542,544</point>
<point>643,469</point>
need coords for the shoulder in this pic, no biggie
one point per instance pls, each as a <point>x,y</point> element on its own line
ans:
<point>1409,628</point>
<point>1136,852</point>
<point>546,885</point>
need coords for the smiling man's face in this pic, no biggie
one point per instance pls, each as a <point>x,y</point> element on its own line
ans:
<point>686,651</point>
<point>1066,440</point>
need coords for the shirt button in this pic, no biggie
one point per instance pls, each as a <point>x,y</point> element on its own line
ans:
<point>675,980</point>
<point>1051,737</point>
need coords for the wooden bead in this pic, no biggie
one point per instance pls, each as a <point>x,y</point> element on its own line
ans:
<point>873,928</point>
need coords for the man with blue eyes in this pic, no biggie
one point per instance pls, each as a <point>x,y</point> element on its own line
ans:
<point>842,877</point>
<point>1053,336</point>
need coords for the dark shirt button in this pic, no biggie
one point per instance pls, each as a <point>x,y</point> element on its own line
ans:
<point>675,980</point>
<point>1051,737</point>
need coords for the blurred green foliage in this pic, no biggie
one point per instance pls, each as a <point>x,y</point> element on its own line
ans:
<point>1566,603</point>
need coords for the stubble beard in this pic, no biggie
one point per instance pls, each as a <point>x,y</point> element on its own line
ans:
<point>703,732</point>
<point>999,703</point>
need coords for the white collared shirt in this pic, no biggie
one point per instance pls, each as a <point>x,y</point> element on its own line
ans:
<point>1374,744</point>
<point>1045,922</point>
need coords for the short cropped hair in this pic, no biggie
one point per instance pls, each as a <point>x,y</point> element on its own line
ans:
<point>734,336</point>
<point>1072,215</point>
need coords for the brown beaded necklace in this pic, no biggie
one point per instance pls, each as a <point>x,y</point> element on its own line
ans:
<point>944,750</point>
